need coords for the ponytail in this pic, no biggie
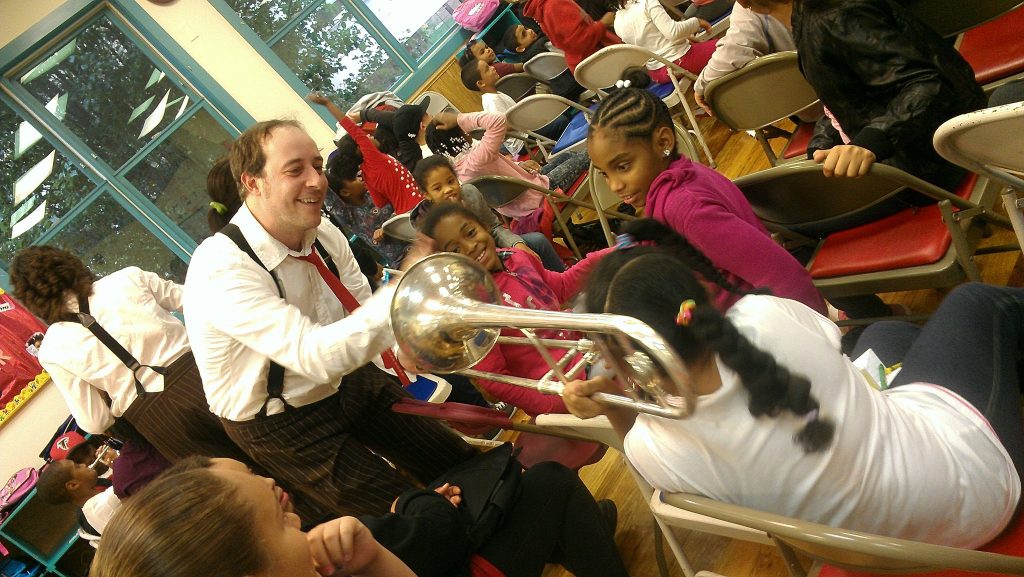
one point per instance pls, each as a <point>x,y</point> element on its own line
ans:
<point>650,284</point>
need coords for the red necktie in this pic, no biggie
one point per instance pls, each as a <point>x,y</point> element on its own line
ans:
<point>351,304</point>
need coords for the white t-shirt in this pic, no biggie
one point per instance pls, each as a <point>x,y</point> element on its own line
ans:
<point>500,102</point>
<point>97,512</point>
<point>916,462</point>
<point>646,23</point>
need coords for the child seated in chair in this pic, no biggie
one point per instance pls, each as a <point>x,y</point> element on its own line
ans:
<point>448,135</point>
<point>887,81</point>
<point>570,29</point>
<point>524,283</point>
<point>523,43</point>
<point>477,49</point>
<point>478,76</point>
<point>438,182</point>
<point>785,423</point>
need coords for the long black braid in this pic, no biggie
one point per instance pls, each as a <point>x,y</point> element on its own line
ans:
<point>652,285</point>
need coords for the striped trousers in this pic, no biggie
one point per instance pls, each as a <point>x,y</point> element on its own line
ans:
<point>177,421</point>
<point>329,453</point>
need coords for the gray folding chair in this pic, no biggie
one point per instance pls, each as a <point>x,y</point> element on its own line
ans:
<point>517,85</point>
<point>602,69</point>
<point>438,103</point>
<point>924,247</point>
<point>537,111</point>
<point>854,550</point>
<point>768,89</point>
<point>546,66</point>
<point>400,227</point>
<point>988,142</point>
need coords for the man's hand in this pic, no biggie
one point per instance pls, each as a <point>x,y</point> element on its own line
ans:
<point>845,160</point>
<point>342,547</point>
<point>699,99</point>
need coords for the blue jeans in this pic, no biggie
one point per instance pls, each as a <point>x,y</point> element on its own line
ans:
<point>563,170</point>
<point>540,244</point>
<point>971,346</point>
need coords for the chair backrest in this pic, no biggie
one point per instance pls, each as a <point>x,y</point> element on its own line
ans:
<point>400,227</point>
<point>438,103</point>
<point>601,69</point>
<point>537,110</point>
<point>987,142</point>
<point>516,85</point>
<point>763,92</point>
<point>799,195</point>
<point>949,17</point>
<point>546,65</point>
<point>850,549</point>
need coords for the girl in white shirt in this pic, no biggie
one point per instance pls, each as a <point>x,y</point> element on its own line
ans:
<point>646,23</point>
<point>785,423</point>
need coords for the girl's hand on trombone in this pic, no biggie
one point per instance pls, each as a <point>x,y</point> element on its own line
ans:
<point>577,397</point>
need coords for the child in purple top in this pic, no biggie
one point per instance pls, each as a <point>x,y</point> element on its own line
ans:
<point>632,144</point>
<point>524,283</point>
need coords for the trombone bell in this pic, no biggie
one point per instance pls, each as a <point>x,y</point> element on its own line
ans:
<point>445,317</point>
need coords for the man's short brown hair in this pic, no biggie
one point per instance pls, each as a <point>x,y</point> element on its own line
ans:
<point>247,153</point>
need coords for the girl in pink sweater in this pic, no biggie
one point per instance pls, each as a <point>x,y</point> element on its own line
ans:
<point>524,283</point>
<point>632,144</point>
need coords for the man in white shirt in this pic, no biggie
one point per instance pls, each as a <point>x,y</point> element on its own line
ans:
<point>273,347</point>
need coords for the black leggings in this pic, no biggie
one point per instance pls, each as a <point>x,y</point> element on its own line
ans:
<point>555,520</point>
<point>972,346</point>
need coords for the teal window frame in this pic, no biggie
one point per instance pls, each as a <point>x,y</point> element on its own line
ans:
<point>111,182</point>
<point>418,71</point>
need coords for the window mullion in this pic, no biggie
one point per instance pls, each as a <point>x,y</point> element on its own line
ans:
<point>294,22</point>
<point>376,28</point>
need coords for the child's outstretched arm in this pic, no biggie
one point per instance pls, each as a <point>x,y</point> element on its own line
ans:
<point>317,98</point>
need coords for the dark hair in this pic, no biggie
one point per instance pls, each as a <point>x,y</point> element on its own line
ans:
<point>634,112</point>
<point>508,39</point>
<point>182,524</point>
<point>222,189</point>
<point>467,52</point>
<point>596,9</point>
<point>343,165</point>
<point>470,75</point>
<point>428,165</point>
<point>52,482</point>
<point>637,77</point>
<point>651,286</point>
<point>449,142</point>
<point>247,154</point>
<point>427,224</point>
<point>43,275</point>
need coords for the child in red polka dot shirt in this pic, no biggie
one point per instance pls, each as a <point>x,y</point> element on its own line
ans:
<point>387,181</point>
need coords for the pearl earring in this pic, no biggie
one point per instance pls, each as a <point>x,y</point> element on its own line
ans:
<point>667,152</point>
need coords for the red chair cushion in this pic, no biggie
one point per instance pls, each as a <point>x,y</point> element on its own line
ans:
<point>1011,542</point>
<point>537,448</point>
<point>911,237</point>
<point>995,49</point>
<point>797,146</point>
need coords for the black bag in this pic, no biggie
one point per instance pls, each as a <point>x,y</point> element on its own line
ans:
<point>490,488</point>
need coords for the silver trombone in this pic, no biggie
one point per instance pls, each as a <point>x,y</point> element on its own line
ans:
<point>445,318</point>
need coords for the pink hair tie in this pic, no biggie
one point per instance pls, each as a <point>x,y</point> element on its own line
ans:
<point>685,312</point>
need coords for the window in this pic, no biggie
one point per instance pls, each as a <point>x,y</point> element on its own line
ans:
<point>347,48</point>
<point>104,150</point>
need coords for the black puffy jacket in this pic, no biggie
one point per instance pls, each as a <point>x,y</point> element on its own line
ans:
<point>888,79</point>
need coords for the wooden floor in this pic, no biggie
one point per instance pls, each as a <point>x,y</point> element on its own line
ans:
<point>738,154</point>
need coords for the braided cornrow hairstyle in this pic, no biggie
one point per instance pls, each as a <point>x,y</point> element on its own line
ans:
<point>634,112</point>
<point>652,285</point>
